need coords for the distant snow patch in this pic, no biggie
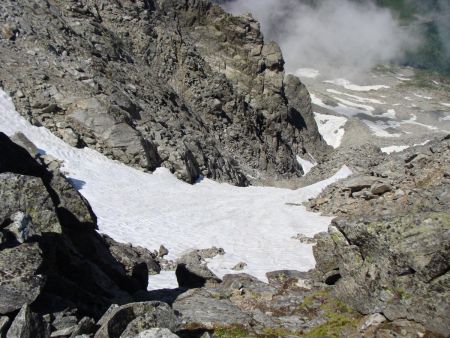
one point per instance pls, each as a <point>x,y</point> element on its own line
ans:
<point>355,105</point>
<point>423,96</point>
<point>331,128</point>
<point>306,165</point>
<point>379,128</point>
<point>391,113</point>
<point>350,86</point>
<point>355,97</point>
<point>396,149</point>
<point>445,104</point>
<point>401,78</point>
<point>307,72</point>
<point>393,149</point>
<point>413,120</point>
<point>339,108</point>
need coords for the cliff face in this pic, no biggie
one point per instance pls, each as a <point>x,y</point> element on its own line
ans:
<point>179,84</point>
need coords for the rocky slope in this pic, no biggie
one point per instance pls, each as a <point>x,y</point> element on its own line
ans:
<point>50,253</point>
<point>382,275</point>
<point>184,85</point>
<point>159,83</point>
<point>389,249</point>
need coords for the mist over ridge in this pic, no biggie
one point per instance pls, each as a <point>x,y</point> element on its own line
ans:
<point>351,37</point>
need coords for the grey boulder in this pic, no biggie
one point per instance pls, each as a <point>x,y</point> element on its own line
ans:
<point>128,320</point>
<point>19,281</point>
<point>28,325</point>
<point>192,271</point>
<point>156,333</point>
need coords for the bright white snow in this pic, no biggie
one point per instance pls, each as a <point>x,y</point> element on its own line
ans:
<point>253,224</point>
<point>331,128</point>
<point>350,86</point>
<point>164,280</point>
<point>393,149</point>
<point>396,149</point>
<point>391,113</point>
<point>306,165</point>
<point>445,104</point>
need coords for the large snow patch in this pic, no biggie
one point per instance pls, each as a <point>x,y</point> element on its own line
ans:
<point>254,225</point>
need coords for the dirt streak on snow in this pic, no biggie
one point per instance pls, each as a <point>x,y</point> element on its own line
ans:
<point>253,224</point>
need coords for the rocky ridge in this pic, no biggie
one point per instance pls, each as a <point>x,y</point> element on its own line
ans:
<point>150,83</point>
<point>388,251</point>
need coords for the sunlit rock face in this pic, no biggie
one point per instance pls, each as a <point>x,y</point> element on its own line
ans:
<point>156,83</point>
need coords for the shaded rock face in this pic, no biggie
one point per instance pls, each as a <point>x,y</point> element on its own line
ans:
<point>50,253</point>
<point>389,251</point>
<point>192,271</point>
<point>137,261</point>
<point>127,321</point>
<point>182,85</point>
<point>28,325</point>
<point>20,283</point>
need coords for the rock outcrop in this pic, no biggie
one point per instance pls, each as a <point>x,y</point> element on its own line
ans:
<point>192,272</point>
<point>389,251</point>
<point>51,255</point>
<point>129,320</point>
<point>153,83</point>
<point>137,261</point>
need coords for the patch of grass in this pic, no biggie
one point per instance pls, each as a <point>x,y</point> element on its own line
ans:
<point>277,332</point>
<point>317,296</point>
<point>334,327</point>
<point>240,332</point>
<point>231,332</point>
<point>424,79</point>
<point>338,314</point>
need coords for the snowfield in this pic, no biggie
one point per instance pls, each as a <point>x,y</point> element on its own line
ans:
<point>254,225</point>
